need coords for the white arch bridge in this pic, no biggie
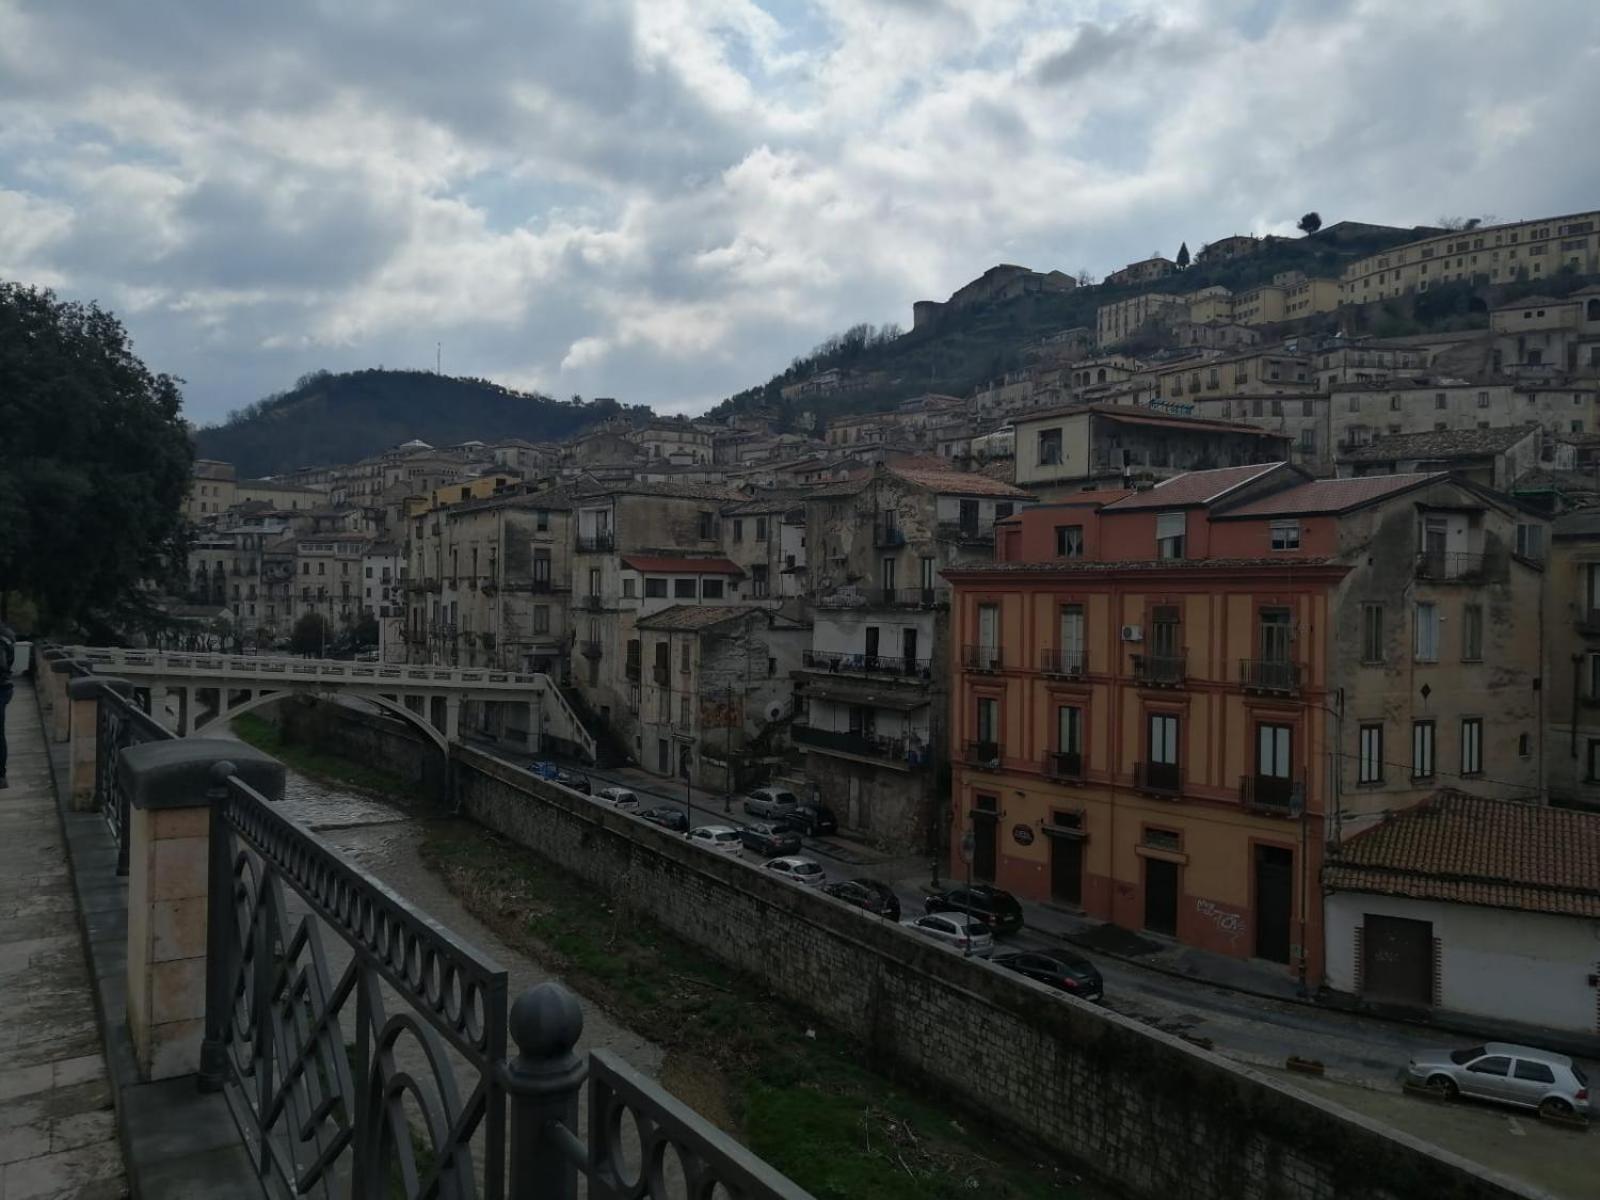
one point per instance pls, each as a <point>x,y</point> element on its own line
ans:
<point>192,693</point>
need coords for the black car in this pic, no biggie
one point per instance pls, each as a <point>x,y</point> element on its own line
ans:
<point>877,898</point>
<point>1064,971</point>
<point>668,816</point>
<point>997,909</point>
<point>813,820</point>
<point>770,839</point>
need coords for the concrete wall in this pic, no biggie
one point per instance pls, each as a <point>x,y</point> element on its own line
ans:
<point>1518,966</point>
<point>361,737</point>
<point>1159,1117</point>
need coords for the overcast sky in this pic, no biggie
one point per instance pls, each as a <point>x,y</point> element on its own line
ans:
<point>665,201</point>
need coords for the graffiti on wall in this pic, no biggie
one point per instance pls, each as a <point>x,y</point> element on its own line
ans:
<point>1228,922</point>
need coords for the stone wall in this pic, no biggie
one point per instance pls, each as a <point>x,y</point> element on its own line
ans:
<point>1139,1108</point>
<point>363,737</point>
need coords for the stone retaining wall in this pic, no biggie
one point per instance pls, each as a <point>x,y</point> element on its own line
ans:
<point>364,737</point>
<point>1141,1109</point>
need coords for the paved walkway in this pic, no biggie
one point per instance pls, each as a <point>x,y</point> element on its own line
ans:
<point>58,1135</point>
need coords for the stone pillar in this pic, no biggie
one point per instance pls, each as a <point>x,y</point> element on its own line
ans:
<point>171,788</point>
<point>535,734</point>
<point>60,710</point>
<point>83,694</point>
<point>158,705</point>
<point>452,718</point>
<point>185,710</point>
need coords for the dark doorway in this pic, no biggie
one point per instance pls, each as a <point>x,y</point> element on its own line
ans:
<point>983,842</point>
<point>1274,902</point>
<point>908,641</point>
<point>872,646</point>
<point>1066,869</point>
<point>1397,961</point>
<point>1161,896</point>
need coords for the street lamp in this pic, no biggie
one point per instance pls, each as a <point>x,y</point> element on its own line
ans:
<point>683,769</point>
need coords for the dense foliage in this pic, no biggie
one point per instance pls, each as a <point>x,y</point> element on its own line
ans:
<point>94,465</point>
<point>331,419</point>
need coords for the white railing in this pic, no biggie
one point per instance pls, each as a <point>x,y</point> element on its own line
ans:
<point>251,666</point>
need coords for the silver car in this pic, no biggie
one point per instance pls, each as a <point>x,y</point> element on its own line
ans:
<point>618,797</point>
<point>1551,1083</point>
<point>771,802</point>
<point>804,871</point>
<point>956,930</point>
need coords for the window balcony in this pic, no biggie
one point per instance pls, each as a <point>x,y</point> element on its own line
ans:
<point>1158,779</point>
<point>1068,663</point>
<point>987,755</point>
<point>591,603</point>
<point>596,543</point>
<point>852,741</point>
<point>911,597</point>
<point>1278,794</point>
<point>1062,764</point>
<point>1160,670</point>
<point>835,661</point>
<point>888,536</point>
<point>1269,675</point>
<point>1447,565</point>
<point>982,658</point>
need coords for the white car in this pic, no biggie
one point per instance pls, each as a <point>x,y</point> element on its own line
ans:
<point>956,930</point>
<point>771,802</point>
<point>797,870</point>
<point>722,838</point>
<point>618,797</point>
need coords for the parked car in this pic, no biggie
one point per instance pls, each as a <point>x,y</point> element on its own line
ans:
<point>770,802</point>
<point>722,838</point>
<point>877,898</point>
<point>1520,1075</point>
<point>668,816</point>
<point>619,797</point>
<point>798,870</point>
<point>813,820</point>
<point>769,839</point>
<point>1064,971</point>
<point>545,769</point>
<point>956,930</point>
<point>997,909</point>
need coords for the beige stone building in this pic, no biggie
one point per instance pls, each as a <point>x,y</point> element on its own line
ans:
<point>1120,319</point>
<point>1144,271</point>
<point>1238,245</point>
<point>1257,370</point>
<point>1572,624</point>
<point>212,490</point>
<point>1365,362</point>
<point>1546,337</point>
<point>280,494</point>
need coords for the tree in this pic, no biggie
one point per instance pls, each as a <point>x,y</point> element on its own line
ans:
<point>1309,223</point>
<point>1183,256</point>
<point>310,634</point>
<point>95,464</point>
<point>365,632</point>
<point>1085,278</point>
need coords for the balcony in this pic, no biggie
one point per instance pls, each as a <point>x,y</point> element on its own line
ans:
<point>1269,675</point>
<point>589,649</point>
<point>1068,663</point>
<point>834,661</point>
<point>1447,565</point>
<point>888,536</point>
<point>982,658</point>
<point>591,603</point>
<point>1062,764</point>
<point>1158,779</point>
<point>853,741</point>
<point>1588,621</point>
<point>1278,794</point>
<point>986,755</point>
<point>1160,670</point>
<point>911,597</point>
<point>956,531</point>
<point>596,543</point>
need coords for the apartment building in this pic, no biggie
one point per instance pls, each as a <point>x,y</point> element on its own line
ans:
<point>1303,418</point>
<point>1264,369</point>
<point>765,537</point>
<point>1360,413</point>
<point>211,491</point>
<point>1238,245</point>
<point>1495,458</point>
<point>1493,254</point>
<point>1144,271</point>
<point>1572,624</point>
<point>1542,336</point>
<point>1168,702</point>
<point>1120,319</point>
<point>1365,362</point>
<point>675,441</point>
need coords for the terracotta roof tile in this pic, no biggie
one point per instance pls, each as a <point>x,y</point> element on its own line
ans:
<point>1195,487</point>
<point>1439,443</point>
<point>1059,566</point>
<point>1328,496</point>
<point>693,616</point>
<point>1470,850</point>
<point>673,565</point>
<point>961,483</point>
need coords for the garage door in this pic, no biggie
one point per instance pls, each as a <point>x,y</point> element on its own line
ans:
<point>1397,961</point>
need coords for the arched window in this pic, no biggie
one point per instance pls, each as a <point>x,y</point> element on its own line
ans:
<point>1591,311</point>
<point>1100,376</point>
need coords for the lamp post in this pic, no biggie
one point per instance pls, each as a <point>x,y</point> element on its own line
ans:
<point>683,769</point>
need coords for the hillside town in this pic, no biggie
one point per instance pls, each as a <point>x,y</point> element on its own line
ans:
<point>1218,621</point>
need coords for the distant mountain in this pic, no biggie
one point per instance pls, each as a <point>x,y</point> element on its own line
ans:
<point>331,419</point>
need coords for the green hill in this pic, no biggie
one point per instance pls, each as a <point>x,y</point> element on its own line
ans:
<point>330,419</point>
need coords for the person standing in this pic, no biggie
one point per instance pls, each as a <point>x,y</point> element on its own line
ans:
<point>8,656</point>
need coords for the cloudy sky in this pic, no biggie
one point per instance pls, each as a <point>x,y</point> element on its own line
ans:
<point>666,200</point>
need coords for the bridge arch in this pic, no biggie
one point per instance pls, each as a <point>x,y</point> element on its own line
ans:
<point>262,698</point>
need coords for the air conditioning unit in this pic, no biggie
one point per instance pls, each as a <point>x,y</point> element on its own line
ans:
<point>1133,633</point>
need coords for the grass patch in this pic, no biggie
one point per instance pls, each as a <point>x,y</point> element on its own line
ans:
<point>795,1093</point>
<point>319,764</point>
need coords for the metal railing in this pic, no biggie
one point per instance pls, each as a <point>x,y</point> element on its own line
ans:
<point>985,754</point>
<point>920,597</point>
<point>1164,779</point>
<point>118,724</point>
<point>1448,564</point>
<point>1163,670</point>
<point>1062,764</point>
<point>1269,675</point>
<point>983,658</point>
<point>1061,662</point>
<point>960,532</point>
<point>596,543</point>
<point>849,741</point>
<point>173,664</point>
<point>592,603</point>
<point>1272,793</point>
<point>870,664</point>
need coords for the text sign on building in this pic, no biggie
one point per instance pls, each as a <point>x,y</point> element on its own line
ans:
<point>1023,834</point>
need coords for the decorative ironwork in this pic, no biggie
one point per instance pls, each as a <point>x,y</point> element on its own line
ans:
<point>1161,670</point>
<point>1278,794</point>
<point>1061,662</point>
<point>1269,675</point>
<point>871,664</point>
<point>1440,565</point>
<point>983,658</point>
<point>382,1115</point>
<point>1160,779</point>
<point>118,724</point>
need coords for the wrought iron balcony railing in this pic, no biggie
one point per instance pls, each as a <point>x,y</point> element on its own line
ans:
<point>1161,779</point>
<point>591,603</point>
<point>1062,764</point>
<point>911,597</point>
<point>1444,565</point>
<point>985,754</point>
<point>1061,662</point>
<point>1273,793</point>
<point>596,543</point>
<point>851,741</point>
<point>1269,675</point>
<point>1161,670</point>
<point>870,664</point>
<point>888,536</point>
<point>983,658</point>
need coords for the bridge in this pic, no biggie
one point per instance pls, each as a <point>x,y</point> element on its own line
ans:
<point>195,693</point>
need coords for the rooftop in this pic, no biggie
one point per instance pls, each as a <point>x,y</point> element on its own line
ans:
<point>680,565</point>
<point>1128,414</point>
<point>1329,495</point>
<point>1196,487</point>
<point>687,617</point>
<point>1073,566</point>
<point>1440,443</point>
<point>1471,850</point>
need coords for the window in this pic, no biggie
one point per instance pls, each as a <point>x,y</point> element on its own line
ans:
<point>628,587</point>
<point>988,720</point>
<point>541,520</point>
<point>1369,759</point>
<point>684,589</point>
<point>929,579</point>
<point>1305,409</point>
<point>711,589</point>
<point>761,529</point>
<point>1394,403</point>
<point>886,574</point>
<point>369,572</point>
<point>758,580</point>
<point>1498,1065</point>
<point>1422,749</point>
<point>1535,1072</point>
<point>1169,535</point>
<point>707,526</point>
<point>541,618</point>
<point>683,657</point>
<point>1049,447</point>
<point>1286,535</point>
<point>1071,634</point>
<point>683,710</point>
<point>969,516</point>
<point>1003,509</point>
<point>655,589</point>
<point>1273,750</point>
<point>1440,400</point>
<point>1069,729</point>
<point>1372,633</point>
<point>1471,632</point>
<point>594,581</point>
<point>1069,541</point>
<point>1427,632</point>
<point>1308,440</point>
<point>1471,745</point>
<point>1483,399</point>
<point>1164,739</point>
<point>738,530</point>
